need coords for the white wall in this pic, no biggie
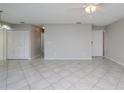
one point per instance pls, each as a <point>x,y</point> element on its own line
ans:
<point>94,28</point>
<point>68,41</point>
<point>114,42</point>
<point>22,27</point>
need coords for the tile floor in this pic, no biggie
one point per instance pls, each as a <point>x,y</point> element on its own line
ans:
<point>39,74</point>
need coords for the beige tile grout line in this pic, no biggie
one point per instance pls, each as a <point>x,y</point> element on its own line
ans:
<point>119,80</point>
<point>89,72</point>
<point>6,73</point>
<point>41,75</point>
<point>101,78</point>
<point>24,76</point>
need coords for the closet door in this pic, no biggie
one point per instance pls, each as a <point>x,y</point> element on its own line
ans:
<point>1,44</point>
<point>10,45</point>
<point>18,45</point>
<point>97,43</point>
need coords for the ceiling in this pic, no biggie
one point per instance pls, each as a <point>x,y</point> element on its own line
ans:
<point>60,13</point>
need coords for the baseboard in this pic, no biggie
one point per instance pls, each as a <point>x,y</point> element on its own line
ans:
<point>114,60</point>
<point>34,57</point>
<point>67,58</point>
<point>2,59</point>
<point>18,58</point>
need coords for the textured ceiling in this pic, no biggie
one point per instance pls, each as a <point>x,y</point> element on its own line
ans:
<point>60,13</point>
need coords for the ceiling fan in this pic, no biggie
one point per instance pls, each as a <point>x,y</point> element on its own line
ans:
<point>90,8</point>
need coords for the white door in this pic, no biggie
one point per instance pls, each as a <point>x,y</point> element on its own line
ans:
<point>2,44</point>
<point>18,46</point>
<point>97,46</point>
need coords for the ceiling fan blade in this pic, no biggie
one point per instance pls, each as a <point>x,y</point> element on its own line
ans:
<point>100,8</point>
<point>75,9</point>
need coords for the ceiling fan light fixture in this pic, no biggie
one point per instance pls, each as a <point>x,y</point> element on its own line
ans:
<point>90,9</point>
<point>3,25</point>
<point>6,27</point>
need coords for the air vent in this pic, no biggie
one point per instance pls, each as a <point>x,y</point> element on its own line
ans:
<point>22,22</point>
<point>78,23</point>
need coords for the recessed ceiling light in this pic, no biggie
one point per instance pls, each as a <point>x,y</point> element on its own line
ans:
<point>43,27</point>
